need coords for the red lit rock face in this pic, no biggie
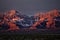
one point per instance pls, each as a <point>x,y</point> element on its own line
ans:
<point>47,20</point>
<point>49,16</point>
<point>13,26</point>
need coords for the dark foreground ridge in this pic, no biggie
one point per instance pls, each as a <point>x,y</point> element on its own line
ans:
<point>34,31</point>
<point>31,35</point>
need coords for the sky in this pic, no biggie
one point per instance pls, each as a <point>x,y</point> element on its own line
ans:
<point>29,7</point>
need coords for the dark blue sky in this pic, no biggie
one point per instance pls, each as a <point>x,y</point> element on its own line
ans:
<point>29,7</point>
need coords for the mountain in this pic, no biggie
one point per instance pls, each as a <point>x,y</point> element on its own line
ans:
<point>13,20</point>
